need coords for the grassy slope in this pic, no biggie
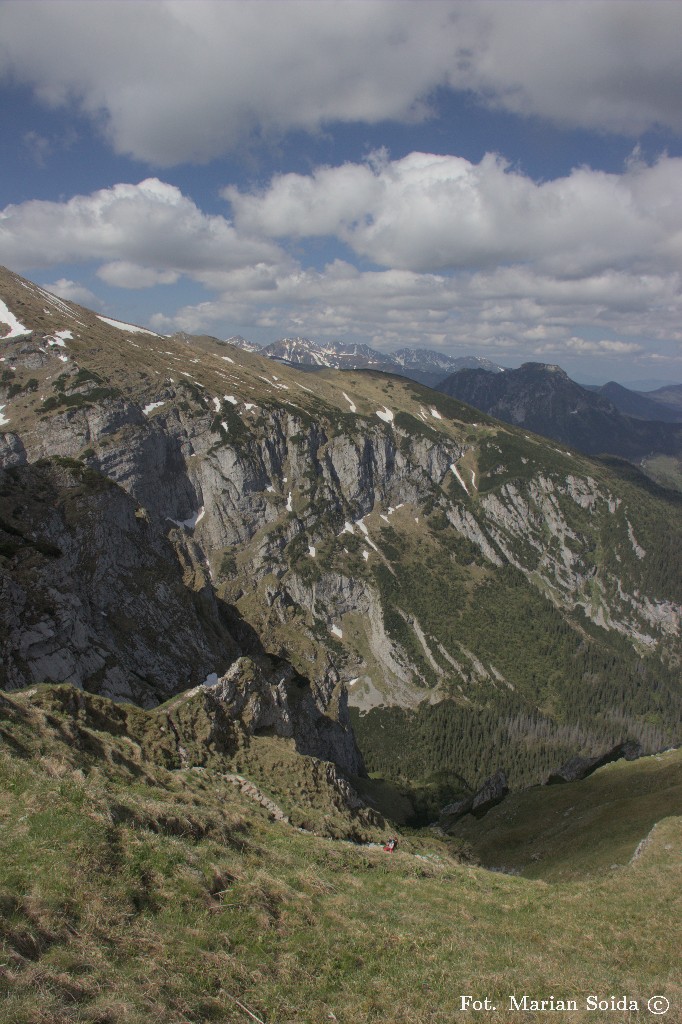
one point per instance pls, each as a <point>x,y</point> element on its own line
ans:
<point>566,832</point>
<point>167,897</point>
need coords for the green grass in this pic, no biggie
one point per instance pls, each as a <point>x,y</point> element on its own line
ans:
<point>137,894</point>
<point>587,828</point>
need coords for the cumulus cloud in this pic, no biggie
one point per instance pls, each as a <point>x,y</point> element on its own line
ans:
<point>123,274</point>
<point>150,229</point>
<point>433,213</point>
<point>486,311</point>
<point>475,257</point>
<point>171,81</point>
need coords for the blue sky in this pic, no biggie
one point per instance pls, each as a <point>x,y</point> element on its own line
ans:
<point>492,178</point>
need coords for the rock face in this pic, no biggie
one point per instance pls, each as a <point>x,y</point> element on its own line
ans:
<point>97,598</point>
<point>580,767</point>
<point>492,792</point>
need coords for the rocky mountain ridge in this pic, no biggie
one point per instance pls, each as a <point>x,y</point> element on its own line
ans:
<point>420,364</point>
<point>361,530</point>
<point>542,398</point>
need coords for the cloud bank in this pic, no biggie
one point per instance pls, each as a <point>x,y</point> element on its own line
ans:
<point>441,252</point>
<point>169,81</point>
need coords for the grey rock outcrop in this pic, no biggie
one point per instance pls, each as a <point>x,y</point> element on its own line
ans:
<point>578,768</point>
<point>492,792</point>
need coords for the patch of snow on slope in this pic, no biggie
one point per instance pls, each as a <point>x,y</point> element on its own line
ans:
<point>192,521</point>
<point>152,405</point>
<point>436,415</point>
<point>128,328</point>
<point>289,505</point>
<point>454,469</point>
<point>59,338</point>
<point>231,399</point>
<point>337,632</point>
<point>211,679</point>
<point>311,550</point>
<point>350,402</point>
<point>359,523</point>
<point>216,404</point>
<point>225,427</point>
<point>16,329</point>
<point>3,418</point>
<point>347,528</point>
<point>385,414</point>
<point>227,359</point>
<point>365,554</point>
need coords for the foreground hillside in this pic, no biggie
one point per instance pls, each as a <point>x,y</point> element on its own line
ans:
<point>482,597</point>
<point>134,893</point>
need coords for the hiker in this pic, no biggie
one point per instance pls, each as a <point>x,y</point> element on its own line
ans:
<point>390,845</point>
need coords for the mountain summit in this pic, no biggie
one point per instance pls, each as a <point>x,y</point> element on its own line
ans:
<point>542,397</point>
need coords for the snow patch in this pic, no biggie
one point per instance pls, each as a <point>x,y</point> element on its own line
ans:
<point>350,402</point>
<point>16,329</point>
<point>337,632</point>
<point>225,427</point>
<point>311,550</point>
<point>227,359</point>
<point>211,679</point>
<point>434,412</point>
<point>128,328</point>
<point>454,469</point>
<point>192,521</point>
<point>385,414</point>
<point>289,505</point>
<point>347,528</point>
<point>231,399</point>
<point>216,404</point>
<point>365,554</point>
<point>3,418</point>
<point>359,523</point>
<point>152,405</point>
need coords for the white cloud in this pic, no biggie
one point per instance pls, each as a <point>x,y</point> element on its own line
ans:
<point>151,226</point>
<point>171,81</point>
<point>433,213</point>
<point>123,274</point>
<point>485,311</point>
<point>476,257</point>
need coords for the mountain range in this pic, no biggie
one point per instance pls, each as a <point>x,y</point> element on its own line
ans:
<point>607,420</point>
<point>478,596</point>
<point>420,364</point>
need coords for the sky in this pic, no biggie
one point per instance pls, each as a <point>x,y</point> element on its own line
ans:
<point>501,179</point>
